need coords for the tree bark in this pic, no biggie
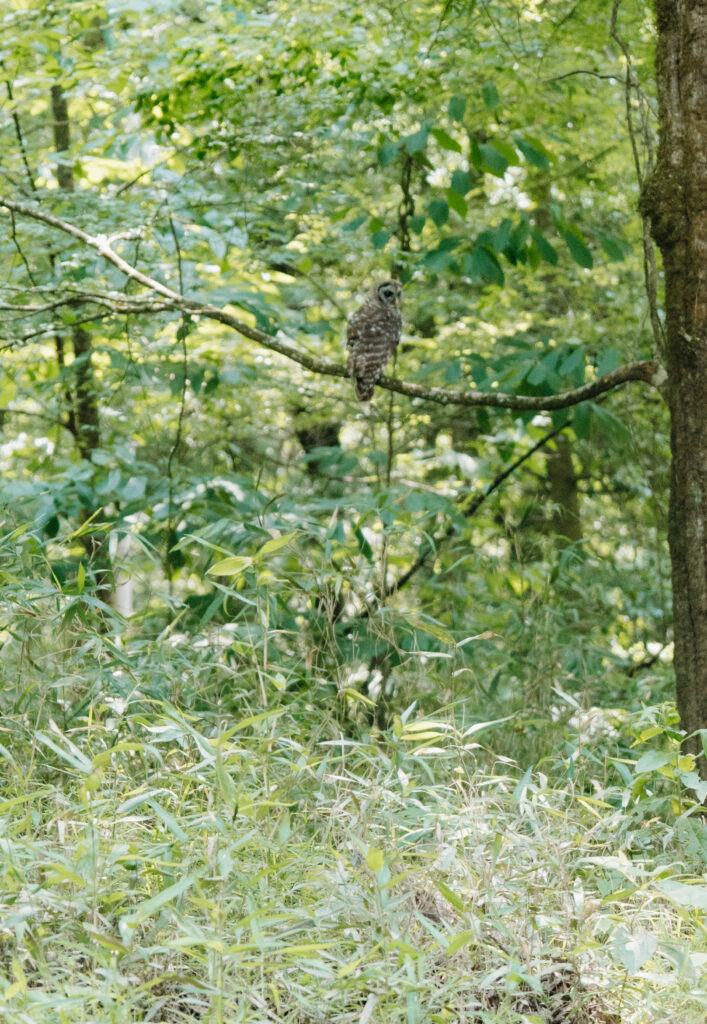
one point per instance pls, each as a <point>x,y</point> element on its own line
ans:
<point>675,199</point>
<point>83,415</point>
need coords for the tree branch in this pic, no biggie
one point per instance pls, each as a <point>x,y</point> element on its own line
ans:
<point>647,372</point>
<point>468,508</point>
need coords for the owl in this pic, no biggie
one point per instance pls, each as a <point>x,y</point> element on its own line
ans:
<point>372,336</point>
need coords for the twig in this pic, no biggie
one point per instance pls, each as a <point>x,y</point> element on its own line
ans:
<point>582,71</point>
<point>638,666</point>
<point>469,509</point>
<point>15,242</point>
<point>20,137</point>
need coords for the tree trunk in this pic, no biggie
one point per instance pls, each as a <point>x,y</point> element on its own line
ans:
<point>675,199</point>
<point>559,467</point>
<point>84,415</point>
<point>562,484</point>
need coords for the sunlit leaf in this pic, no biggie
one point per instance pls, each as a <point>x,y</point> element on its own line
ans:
<point>232,566</point>
<point>446,141</point>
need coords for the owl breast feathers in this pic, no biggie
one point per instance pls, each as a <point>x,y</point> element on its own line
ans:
<point>372,336</point>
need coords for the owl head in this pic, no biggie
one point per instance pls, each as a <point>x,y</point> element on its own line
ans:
<point>389,293</point>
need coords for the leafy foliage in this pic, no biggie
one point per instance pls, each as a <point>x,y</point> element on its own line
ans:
<point>302,702</point>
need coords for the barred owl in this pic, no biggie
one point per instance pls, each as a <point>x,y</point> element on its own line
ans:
<point>372,336</point>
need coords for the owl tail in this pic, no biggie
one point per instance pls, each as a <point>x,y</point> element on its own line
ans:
<point>364,388</point>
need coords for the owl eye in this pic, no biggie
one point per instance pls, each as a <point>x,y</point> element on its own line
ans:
<point>387,293</point>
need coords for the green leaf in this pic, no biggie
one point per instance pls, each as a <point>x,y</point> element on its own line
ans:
<point>581,420</point>
<point>507,150</point>
<point>416,142</point>
<point>482,265</point>
<point>375,859</point>
<point>544,370</point>
<point>246,723</point>
<point>106,942</point>
<point>459,940</point>
<point>691,780</point>
<point>499,238</point>
<point>148,907</point>
<point>134,489</point>
<point>633,950</point>
<point>8,390</point>
<point>415,502</point>
<point>439,212</point>
<point>456,202</point>
<point>486,157</point>
<point>574,365</point>
<point>534,258</point>
<point>580,252</point>
<point>380,239</point>
<point>493,159</point>
<point>651,761</point>
<point>385,100</point>
<point>387,153</point>
<point>612,247</point>
<point>275,544</point>
<point>608,361</point>
<point>490,95</point>
<point>356,695</point>
<point>519,234</point>
<point>442,257</point>
<point>363,545</point>
<point>606,422</point>
<point>451,897</point>
<point>233,566</point>
<point>226,785</point>
<point>560,417</point>
<point>438,631</point>
<point>519,791</point>
<point>547,251</point>
<point>355,223</point>
<point>461,182</point>
<point>69,753</point>
<point>446,141</point>
<point>169,820</point>
<point>693,896</point>
<point>457,107</point>
<point>533,151</point>
<point>51,526</point>
<point>453,372</point>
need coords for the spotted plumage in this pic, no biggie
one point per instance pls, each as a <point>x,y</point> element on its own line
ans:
<point>372,336</point>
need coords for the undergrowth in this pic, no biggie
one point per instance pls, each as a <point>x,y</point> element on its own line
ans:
<point>176,850</point>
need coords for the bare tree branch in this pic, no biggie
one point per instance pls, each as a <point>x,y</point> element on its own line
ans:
<point>583,71</point>
<point>648,372</point>
<point>468,508</point>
